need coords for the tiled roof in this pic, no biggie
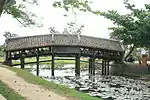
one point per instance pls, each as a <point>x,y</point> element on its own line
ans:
<point>62,40</point>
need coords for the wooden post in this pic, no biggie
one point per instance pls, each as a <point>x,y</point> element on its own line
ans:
<point>37,59</point>
<point>102,67</point>
<point>90,67</point>
<point>93,66</point>
<point>6,56</point>
<point>22,61</point>
<point>8,61</point>
<point>77,66</point>
<point>105,64</point>
<point>122,57</point>
<point>52,64</point>
<point>107,67</point>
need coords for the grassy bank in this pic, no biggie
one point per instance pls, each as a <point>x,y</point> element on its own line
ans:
<point>60,89</point>
<point>8,93</point>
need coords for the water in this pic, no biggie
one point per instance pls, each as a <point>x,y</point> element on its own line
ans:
<point>106,87</point>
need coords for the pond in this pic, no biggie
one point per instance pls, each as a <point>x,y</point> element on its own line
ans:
<point>106,87</point>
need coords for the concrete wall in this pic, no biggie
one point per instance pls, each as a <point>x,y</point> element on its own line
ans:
<point>128,69</point>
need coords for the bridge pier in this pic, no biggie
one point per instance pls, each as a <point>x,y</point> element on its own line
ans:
<point>77,65</point>
<point>105,67</point>
<point>52,64</point>
<point>37,60</point>
<point>22,60</point>
<point>91,66</point>
<point>8,61</point>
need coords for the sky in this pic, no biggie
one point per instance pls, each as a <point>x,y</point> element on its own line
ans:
<point>49,16</point>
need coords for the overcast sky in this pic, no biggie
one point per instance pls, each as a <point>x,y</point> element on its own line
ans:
<point>96,26</point>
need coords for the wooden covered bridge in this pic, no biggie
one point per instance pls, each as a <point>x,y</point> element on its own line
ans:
<point>64,45</point>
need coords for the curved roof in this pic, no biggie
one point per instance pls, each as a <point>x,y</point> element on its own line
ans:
<point>61,40</point>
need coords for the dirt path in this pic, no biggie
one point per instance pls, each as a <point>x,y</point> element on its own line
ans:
<point>1,97</point>
<point>29,91</point>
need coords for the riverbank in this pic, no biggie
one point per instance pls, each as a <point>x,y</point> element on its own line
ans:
<point>27,90</point>
<point>62,90</point>
<point>8,94</point>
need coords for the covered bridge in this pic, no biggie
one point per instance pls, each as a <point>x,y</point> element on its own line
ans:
<point>63,45</point>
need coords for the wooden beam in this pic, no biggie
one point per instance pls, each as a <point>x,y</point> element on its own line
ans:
<point>37,59</point>
<point>77,66</point>
<point>90,67</point>
<point>52,65</point>
<point>6,56</point>
<point>8,61</point>
<point>107,68</point>
<point>31,62</point>
<point>93,66</point>
<point>22,62</point>
<point>103,67</point>
<point>64,59</point>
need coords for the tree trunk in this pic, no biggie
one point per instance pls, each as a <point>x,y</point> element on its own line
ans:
<point>2,2</point>
<point>129,52</point>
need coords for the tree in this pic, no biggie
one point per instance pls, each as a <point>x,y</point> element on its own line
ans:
<point>18,11</point>
<point>26,18</point>
<point>1,50</point>
<point>72,28</point>
<point>133,28</point>
<point>82,5</point>
<point>53,30</point>
<point>10,35</point>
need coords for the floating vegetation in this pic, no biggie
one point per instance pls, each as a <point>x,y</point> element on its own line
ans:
<point>106,87</point>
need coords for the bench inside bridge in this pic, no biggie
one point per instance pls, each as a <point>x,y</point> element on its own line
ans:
<point>64,45</point>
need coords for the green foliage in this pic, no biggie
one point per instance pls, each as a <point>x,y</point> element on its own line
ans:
<point>8,93</point>
<point>10,35</point>
<point>72,28</point>
<point>132,28</point>
<point>82,5</point>
<point>20,12</point>
<point>60,89</point>
<point>1,50</point>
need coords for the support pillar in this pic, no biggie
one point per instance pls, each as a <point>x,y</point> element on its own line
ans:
<point>102,67</point>
<point>37,61</point>
<point>6,56</point>
<point>93,66</point>
<point>22,59</point>
<point>8,60</point>
<point>22,62</point>
<point>90,67</point>
<point>52,64</point>
<point>107,68</point>
<point>77,66</point>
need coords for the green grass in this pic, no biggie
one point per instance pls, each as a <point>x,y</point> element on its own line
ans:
<point>59,89</point>
<point>58,63</point>
<point>8,93</point>
<point>42,59</point>
<point>1,59</point>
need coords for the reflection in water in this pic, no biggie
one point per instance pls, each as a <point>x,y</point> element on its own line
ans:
<point>107,87</point>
